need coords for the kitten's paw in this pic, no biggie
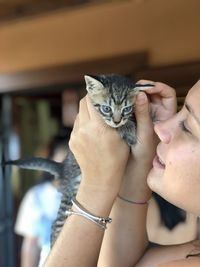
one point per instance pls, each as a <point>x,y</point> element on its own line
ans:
<point>130,139</point>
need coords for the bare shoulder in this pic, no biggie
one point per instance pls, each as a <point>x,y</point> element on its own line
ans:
<point>191,262</point>
<point>172,256</point>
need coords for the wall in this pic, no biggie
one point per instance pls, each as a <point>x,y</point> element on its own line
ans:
<point>169,30</point>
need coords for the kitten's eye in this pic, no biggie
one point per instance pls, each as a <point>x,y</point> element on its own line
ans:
<point>106,109</point>
<point>128,109</point>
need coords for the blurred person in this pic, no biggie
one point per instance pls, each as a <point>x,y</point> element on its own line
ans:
<point>38,210</point>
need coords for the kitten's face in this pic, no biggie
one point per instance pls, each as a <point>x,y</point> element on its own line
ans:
<point>114,103</point>
<point>114,114</point>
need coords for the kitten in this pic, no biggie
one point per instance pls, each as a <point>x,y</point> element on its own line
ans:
<point>113,96</point>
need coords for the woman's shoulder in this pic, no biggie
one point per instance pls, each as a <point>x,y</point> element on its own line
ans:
<point>172,256</point>
<point>191,262</point>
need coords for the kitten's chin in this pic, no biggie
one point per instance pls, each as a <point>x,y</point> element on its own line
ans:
<point>114,125</point>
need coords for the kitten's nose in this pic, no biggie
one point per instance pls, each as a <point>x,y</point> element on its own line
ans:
<point>116,122</point>
<point>116,117</point>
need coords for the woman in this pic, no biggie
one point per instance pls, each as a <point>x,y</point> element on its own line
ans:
<point>114,183</point>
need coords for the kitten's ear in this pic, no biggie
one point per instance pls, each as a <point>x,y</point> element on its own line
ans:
<point>93,86</point>
<point>142,87</point>
<point>137,87</point>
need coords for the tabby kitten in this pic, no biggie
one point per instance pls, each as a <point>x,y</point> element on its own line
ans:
<point>113,96</point>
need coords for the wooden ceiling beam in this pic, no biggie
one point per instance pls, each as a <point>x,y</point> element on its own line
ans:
<point>15,9</point>
<point>70,74</point>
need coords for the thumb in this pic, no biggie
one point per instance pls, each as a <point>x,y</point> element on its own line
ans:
<point>91,109</point>
<point>143,118</point>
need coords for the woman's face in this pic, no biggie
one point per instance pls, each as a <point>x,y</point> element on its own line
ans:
<point>176,168</point>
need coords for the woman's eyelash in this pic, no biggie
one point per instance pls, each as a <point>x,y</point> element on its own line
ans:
<point>182,125</point>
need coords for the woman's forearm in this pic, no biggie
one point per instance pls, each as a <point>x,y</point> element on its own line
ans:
<point>126,238</point>
<point>80,239</point>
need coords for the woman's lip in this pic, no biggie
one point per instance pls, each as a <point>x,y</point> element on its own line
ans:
<point>157,163</point>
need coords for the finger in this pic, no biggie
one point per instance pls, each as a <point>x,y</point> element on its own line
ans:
<point>163,90</point>
<point>73,133</point>
<point>92,111</point>
<point>143,118</point>
<point>84,115</point>
<point>76,124</point>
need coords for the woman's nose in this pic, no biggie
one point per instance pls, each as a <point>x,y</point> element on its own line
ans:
<point>162,129</point>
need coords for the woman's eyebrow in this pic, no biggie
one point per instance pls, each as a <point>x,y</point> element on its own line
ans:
<point>189,108</point>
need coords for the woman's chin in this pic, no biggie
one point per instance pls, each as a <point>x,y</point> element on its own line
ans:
<point>154,178</point>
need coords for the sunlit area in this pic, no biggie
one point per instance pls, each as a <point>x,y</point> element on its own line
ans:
<point>46,49</point>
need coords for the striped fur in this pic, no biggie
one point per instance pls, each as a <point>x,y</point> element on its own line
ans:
<point>117,94</point>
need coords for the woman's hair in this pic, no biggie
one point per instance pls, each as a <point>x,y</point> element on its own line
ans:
<point>170,215</point>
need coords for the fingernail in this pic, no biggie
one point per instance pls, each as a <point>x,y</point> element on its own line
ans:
<point>141,98</point>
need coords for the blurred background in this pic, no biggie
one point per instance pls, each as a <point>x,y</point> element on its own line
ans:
<point>47,46</point>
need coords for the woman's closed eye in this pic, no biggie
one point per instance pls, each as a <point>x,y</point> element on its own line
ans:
<point>184,127</point>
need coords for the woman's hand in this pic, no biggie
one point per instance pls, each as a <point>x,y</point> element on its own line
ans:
<point>163,102</point>
<point>160,105</point>
<point>134,186</point>
<point>100,152</point>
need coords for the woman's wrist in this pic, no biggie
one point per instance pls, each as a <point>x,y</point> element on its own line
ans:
<point>97,200</point>
<point>134,185</point>
<point>140,193</point>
